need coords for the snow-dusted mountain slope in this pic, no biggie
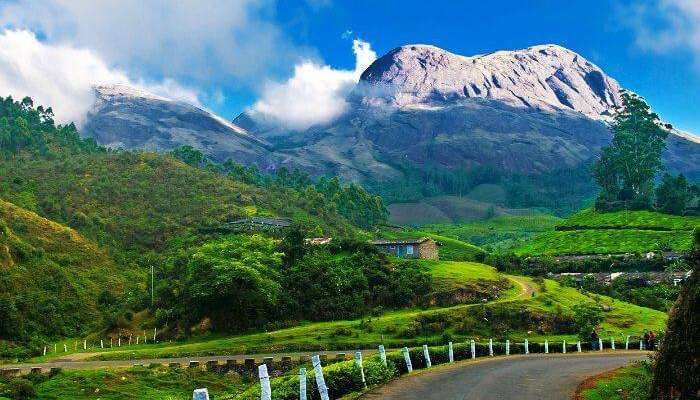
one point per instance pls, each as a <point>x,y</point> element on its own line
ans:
<point>129,117</point>
<point>540,77</point>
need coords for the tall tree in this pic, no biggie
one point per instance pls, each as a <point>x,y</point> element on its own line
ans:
<point>627,167</point>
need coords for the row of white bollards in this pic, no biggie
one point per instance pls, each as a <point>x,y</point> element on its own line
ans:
<point>266,391</point>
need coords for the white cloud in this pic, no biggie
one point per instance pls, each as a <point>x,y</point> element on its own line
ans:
<point>231,42</point>
<point>315,94</point>
<point>662,26</point>
<point>62,76</point>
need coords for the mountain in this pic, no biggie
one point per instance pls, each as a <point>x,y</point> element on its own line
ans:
<point>131,118</point>
<point>424,122</point>
<point>540,77</point>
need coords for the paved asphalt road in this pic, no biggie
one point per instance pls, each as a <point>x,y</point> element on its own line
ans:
<point>532,377</point>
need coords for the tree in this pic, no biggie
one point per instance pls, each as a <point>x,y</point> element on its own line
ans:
<point>676,368</point>
<point>586,319</point>
<point>673,194</point>
<point>233,281</point>
<point>189,155</point>
<point>627,167</point>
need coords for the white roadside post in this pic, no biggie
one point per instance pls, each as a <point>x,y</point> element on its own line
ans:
<point>627,343</point>
<point>527,347</point>
<point>358,362</point>
<point>119,341</point>
<point>65,348</point>
<point>200,394</point>
<point>546,347</point>
<point>450,352</point>
<point>102,344</point>
<point>154,335</point>
<point>507,347</point>
<point>265,391</point>
<point>426,355</point>
<point>600,344</point>
<point>578,346</point>
<point>407,357</point>
<point>320,382</point>
<point>472,347</point>
<point>382,354</point>
<point>490,347</point>
<point>563,347</point>
<point>612,343</point>
<point>641,344</point>
<point>144,337</point>
<point>130,336</point>
<point>302,383</point>
<point>137,339</point>
<point>84,344</point>
<point>44,350</point>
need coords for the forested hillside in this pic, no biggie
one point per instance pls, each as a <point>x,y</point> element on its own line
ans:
<point>78,219</point>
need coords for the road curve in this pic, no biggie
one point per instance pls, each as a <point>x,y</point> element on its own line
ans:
<point>531,377</point>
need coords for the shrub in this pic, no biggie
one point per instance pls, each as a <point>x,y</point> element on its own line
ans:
<point>21,389</point>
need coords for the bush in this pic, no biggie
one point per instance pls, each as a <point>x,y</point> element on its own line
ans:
<point>20,389</point>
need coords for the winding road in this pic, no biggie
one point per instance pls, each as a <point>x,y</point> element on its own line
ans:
<point>531,377</point>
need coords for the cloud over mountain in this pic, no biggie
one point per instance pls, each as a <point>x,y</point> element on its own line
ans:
<point>63,76</point>
<point>315,94</point>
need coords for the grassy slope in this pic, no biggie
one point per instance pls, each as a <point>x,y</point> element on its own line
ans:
<point>590,232</point>
<point>451,249</point>
<point>623,319</point>
<point>632,382</point>
<point>499,232</point>
<point>52,272</point>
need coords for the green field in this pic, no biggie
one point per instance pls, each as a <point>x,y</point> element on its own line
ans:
<point>500,232</point>
<point>416,326</point>
<point>606,241</point>
<point>629,220</point>
<point>590,232</point>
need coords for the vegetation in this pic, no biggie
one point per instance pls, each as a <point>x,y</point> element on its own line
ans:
<point>514,314</point>
<point>676,368</point>
<point>632,382</point>
<point>497,233</point>
<point>627,167</point>
<point>241,282</point>
<point>53,281</point>
<point>592,232</point>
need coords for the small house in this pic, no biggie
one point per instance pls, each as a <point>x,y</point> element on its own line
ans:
<point>425,248</point>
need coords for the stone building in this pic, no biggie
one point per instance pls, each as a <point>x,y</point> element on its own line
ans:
<point>409,248</point>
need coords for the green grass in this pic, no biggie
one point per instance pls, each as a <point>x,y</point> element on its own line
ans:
<point>500,232</point>
<point>136,383</point>
<point>606,241</point>
<point>631,382</point>
<point>450,249</point>
<point>629,220</point>
<point>393,328</point>
<point>460,271</point>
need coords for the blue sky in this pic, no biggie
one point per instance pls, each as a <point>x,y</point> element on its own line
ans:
<point>602,31</point>
<point>229,55</point>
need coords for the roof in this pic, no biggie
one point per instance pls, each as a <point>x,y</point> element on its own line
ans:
<point>281,222</point>
<point>381,242</point>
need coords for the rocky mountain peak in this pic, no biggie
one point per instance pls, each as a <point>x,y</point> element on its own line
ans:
<point>539,77</point>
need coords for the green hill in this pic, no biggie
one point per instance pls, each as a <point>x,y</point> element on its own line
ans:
<point>591,232</point>
<point>52,277</point>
